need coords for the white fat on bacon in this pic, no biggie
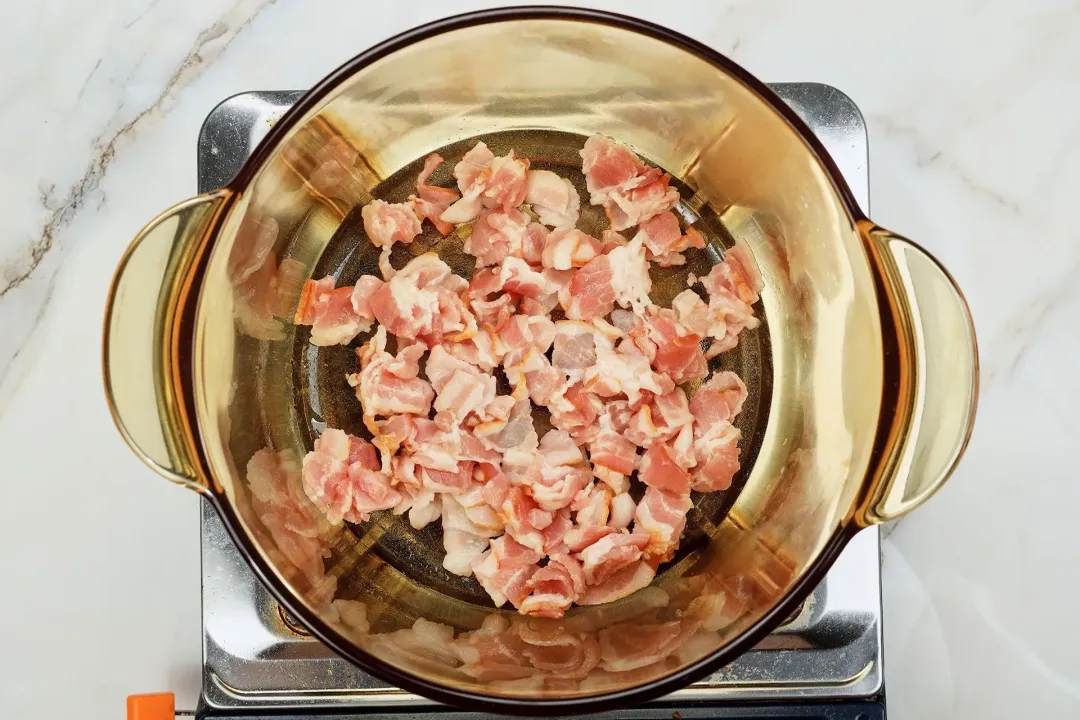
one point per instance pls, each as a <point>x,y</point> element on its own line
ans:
<point>554,199</point>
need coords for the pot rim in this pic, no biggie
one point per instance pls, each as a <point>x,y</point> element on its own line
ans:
<point>783,608</point>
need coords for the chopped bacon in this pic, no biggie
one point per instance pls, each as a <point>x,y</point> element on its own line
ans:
<point>659,470</point>
<point>575,346</point>
<point>737,274</point>
<point>718,451</point>
<point>630,191</point>
<point>496,235</point>
<point>463,541</point>
<point>592,505</point>
<point>554,587</point>
<point>505,570</point>
<point>336,318</point>
<point>506,186</point>
<point>472,173</point>
<point>610,554</point>
<point>672,348</point>
<point>554,199</point>
<point>387,385</point>
<point>665,241</point>
<point>624,371</point>
<point>652,196</point>
<point>607,167</point>
<point>580,537</point>
<point>555,533</point>
<point>569,248</point>
<point>387,223</point>
<point>591,292</point>
<point>661,516</point>
<point>523,333</point>
<point>623,582</point>
<point>718,400</point>
<point>576,410</point>
<point>524,519</point>
<point>431,201</point>
<point>344,487</point>
<point>409,304</point>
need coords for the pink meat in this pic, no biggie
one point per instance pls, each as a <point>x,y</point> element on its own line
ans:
<point>661,517</point>
<point>717,401</point>
<point>591,292</point>
<point>659,470</point>
<point>554,587</point>
<point>387,223</point>
<point>569,248</point>
<point>611,553</point>
<point>554,199</point>
<point>431,201</point>
<point>505,570</point>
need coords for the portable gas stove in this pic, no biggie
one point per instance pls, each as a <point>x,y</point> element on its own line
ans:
<point>825,662</point>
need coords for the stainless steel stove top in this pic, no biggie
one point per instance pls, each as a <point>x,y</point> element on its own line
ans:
<point>256,658</point>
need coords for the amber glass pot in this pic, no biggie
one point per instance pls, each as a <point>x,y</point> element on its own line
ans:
<point>863,374</point>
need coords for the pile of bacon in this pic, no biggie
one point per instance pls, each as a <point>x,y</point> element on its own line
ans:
<point>542,522</point>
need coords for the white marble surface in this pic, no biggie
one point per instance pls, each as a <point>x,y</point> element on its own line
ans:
<point>974,118</point>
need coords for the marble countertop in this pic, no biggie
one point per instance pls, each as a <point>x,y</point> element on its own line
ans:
<point>973,112</point>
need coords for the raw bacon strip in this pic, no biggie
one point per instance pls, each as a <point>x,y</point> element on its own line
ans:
<point>607,167</point>
<point>497,235</point>
<point>592,505</point>
<point>718,400</point>
<point>387,385</point>
<point>630,191</point>
<point>463,541</point>
<point>431,201</point>
<point>554,199</point>
<point>659,470</point>
<point>610,554</point>
<point>472,173</point>
<point>387,223</point>
<point>569,248</point>
<point>661,516</point>
<point>506,186</point>
<point>554,588</point>
<point>333,314</point>
<point>505,570</point>
<point>591,293</point>
<point>622,583</point>
<point>344,488</point>
<point>718,453</point>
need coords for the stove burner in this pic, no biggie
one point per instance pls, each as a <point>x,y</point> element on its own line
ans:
<point>256,656</point>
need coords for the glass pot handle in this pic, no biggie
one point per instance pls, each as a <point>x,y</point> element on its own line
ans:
<point>938,377</point>
<point>142,315</point>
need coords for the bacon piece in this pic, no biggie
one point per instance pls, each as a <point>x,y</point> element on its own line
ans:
<point>506,186</point>
<point>463,541</point>
<point>461,389</point>
<point>607,167</point>
<point>472,173</point>
<point>623,582</point>
<point>630,191</point>
<point>718,452</point>
<point>496,235</point>
<point>659,470</point>
<point>576,410</point>
<point>522,333</point>
<point>387,223</point>
<point>554,587</point>
<point>409,304</point>
<point>651,196</point>
<point>580,537</point>
<point>505,570</point>
<point>591,292</point>
<point>592,505</point>
<point>524,519</point>
<point>569,248</point>
<point>723,319</point>
<point>536,375</point>
<point>737,274</point>
<point>671,348</point>
<point>387,385</point>
<point>611,553</point>
<point>343,487</point>
<point>555,533</point>
<point>625,371</point>
<point>661,516</point>
<point>554,199</point>
<point>665,241</point>
<point>718,400</point>
<point>431,201</point>
<point>558,485</point>
<point>335,318</point>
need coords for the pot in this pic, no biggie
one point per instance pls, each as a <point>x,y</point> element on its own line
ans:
<point>862,375</point>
